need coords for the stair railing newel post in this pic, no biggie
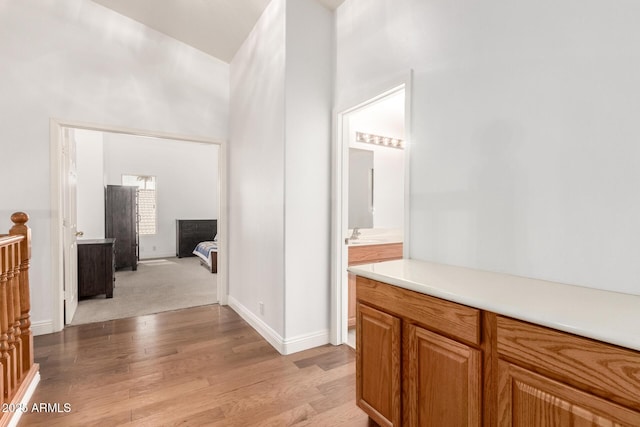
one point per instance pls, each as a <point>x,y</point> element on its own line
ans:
<point>21,228</point>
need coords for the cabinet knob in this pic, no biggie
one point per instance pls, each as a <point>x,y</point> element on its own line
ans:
<point>79,233</point>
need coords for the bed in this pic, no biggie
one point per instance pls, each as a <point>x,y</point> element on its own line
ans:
<point>198,237</point>
<point>207,251</point>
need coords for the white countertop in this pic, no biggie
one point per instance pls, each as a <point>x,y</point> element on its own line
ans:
<point>602,315</point>
<point>376,236</point>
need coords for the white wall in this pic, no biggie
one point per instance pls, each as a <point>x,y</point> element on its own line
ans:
<point>90,183</point>
<point>309,73</point>
<point>280,174</point>
<point>256,170</point>
<point>524,139</point>
<point>78,61</point>
<point>186,182</point>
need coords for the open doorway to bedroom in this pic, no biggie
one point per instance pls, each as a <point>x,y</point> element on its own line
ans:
<point>183,174</point>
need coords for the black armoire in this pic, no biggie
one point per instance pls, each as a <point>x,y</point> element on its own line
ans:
<point>121,223</point>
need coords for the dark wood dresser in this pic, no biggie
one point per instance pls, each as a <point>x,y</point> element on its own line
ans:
<point>190,232</point>
<point>96,267</point>
<point>121,223</point>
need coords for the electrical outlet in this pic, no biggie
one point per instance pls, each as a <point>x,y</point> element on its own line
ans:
<point>261,305</point>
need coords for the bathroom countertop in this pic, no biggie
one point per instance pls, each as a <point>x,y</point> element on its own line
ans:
<point>376,236</point>
<point>606,316</point>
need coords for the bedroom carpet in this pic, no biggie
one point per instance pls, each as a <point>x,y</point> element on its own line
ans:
<point>157,286</point>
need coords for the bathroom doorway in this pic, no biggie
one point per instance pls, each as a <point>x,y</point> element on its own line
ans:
<point>371,183</point>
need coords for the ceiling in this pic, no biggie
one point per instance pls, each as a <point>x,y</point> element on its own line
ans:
<point>216,27</point>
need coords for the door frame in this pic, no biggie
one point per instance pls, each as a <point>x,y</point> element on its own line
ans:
<point>338,329</point>
<point>56,129</point>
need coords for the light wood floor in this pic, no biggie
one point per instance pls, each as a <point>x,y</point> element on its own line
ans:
<point>193,367</point>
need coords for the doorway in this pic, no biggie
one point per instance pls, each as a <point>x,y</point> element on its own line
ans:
<point>60,132</point>
<point>379,128</point>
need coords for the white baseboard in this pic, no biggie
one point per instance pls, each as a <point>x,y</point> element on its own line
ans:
<point>42,327</point>
<point>258,324</point>
<point>284,346</point>
<point>305,342</point>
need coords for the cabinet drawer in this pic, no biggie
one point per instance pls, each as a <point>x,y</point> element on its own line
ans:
<point>602,369</point>
<point>448,318</point>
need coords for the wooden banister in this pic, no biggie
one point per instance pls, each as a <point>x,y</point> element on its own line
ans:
<point>20,228</point>
<point>16,339</point>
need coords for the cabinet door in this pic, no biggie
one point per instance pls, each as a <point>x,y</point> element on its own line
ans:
<point>91,268</point>
<point>529,399</point>
<point>441,380</point>
<point>378,356</point>
<point>95,269</point>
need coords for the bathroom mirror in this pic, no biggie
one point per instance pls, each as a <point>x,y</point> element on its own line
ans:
<point>360,188</point>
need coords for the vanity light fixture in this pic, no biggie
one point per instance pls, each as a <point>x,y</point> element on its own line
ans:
<point>385,141</point>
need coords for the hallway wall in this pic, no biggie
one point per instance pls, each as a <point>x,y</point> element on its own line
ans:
<point>78,61</point>
<point>524,145</point>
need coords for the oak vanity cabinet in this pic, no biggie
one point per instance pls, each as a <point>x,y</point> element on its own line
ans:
<point>424,361</point>
<point>551,378</point>
<point>418,358</point>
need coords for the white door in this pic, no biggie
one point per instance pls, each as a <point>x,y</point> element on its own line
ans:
<point>69,224</point>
